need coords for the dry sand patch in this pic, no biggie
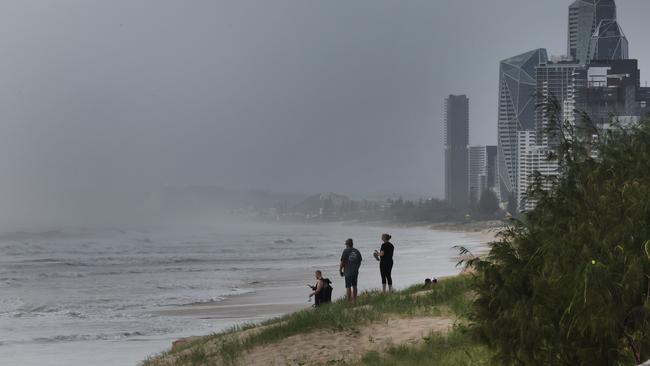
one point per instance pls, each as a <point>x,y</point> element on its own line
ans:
<point>321,347</point>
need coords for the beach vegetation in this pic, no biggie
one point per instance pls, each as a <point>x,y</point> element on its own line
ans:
<point>458,348</point>
<point>450,297</point>
<point>569,282</point>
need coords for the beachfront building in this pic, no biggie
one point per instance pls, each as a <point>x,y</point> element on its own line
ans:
<point>491,177</point>
<point>533,160</point>
<point>612,92</point>
<point>477,172</point>
<point>585,18</point>
<point>456,153</point>
<point>517,86</point>
<point>482,171</point>
<point>556,82</point>
<point>608,42</point>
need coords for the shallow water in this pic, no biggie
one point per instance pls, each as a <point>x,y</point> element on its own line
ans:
<point>74,297</point>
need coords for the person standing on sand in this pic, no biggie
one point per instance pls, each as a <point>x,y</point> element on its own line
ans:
<point>350,263</point>
<point>385,258</point>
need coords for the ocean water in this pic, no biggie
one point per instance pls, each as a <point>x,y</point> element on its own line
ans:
<point>100,296</point>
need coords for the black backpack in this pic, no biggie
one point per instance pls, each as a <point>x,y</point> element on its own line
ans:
<point>325,294</point>
<point>327,291</point>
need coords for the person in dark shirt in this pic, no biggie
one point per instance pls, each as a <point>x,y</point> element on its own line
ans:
<point>350,263</point>
<point>385,258</point>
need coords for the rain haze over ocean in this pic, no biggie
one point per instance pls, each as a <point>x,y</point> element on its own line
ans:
<point>102,100</point>
<point>136,134</point>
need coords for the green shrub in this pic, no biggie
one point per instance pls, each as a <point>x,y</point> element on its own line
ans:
<point>569,283</point>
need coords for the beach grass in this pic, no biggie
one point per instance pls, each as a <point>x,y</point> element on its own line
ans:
<point>450,297</point>
<point>456,348</point>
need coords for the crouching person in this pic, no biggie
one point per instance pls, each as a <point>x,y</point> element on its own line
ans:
<point>322,290</point>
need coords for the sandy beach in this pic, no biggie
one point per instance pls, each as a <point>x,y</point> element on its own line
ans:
<point>416,316</point>
<point>258,305</point>
<point>269,302</point>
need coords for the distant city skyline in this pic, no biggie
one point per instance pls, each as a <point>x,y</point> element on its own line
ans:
<point>596,78</point>
<point>103,98</point>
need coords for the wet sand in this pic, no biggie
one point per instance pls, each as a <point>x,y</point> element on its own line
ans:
<point>262,304</point>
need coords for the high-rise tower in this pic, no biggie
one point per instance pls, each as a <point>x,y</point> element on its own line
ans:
<point>482,171</point>
<point>556,82</point>
<point>456,155</point>
<point>589,20</point>
<point>608,42</point>
<point>516,113</point>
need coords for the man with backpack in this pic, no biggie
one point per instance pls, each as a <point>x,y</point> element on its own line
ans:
<point>350,263</point>
<point>322,290</point>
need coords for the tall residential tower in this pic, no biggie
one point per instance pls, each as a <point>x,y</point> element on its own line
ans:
<point>594,33</point>
<point>516,113</point>
<point>482,171</point>
<point>556,82</point>
<point>456,155</point>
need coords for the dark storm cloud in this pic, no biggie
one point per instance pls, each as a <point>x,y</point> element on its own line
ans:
<point>297,96</point>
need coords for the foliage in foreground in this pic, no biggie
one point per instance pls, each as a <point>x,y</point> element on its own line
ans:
<point>569,284</point>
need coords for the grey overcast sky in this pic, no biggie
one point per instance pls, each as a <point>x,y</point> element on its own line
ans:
<point>283,95</point>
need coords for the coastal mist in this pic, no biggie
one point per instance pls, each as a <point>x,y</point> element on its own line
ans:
<point>292,182</point>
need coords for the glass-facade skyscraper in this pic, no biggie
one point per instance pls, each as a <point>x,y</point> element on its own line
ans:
<point>608,42</point>
<point>594,33</point>
<point>517,86</point>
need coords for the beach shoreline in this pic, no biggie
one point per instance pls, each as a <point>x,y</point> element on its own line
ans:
<point>265,303</point>
<point>410,319</point>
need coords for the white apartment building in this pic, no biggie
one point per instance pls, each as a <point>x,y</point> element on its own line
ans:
<point>532,158</point>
